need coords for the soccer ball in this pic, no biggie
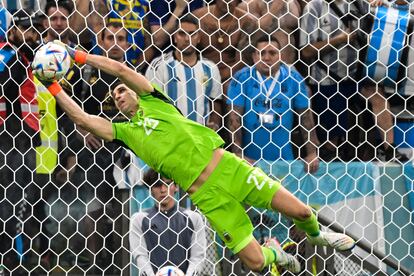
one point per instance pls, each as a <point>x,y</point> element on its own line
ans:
<point>51,62</point>
<point>170,270</point>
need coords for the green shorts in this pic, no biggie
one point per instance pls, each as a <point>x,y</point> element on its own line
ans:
<point>222,197</point>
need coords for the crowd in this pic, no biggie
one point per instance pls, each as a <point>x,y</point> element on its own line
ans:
<point>278,80</point>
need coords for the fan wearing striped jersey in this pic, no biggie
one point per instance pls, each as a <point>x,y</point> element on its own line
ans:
<point>192,82</point>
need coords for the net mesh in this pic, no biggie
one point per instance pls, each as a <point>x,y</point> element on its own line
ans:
<point>335,127</point>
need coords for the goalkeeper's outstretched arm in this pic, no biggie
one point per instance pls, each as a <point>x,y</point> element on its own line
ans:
<point>129,77</point>
<point>91,123</point>
<point>134,80</point>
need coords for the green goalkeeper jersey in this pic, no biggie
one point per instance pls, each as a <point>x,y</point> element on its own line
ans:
<point>176,147</point>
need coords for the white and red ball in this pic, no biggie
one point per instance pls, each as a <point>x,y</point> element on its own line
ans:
<point>51,62</point>
<point>170,271</point>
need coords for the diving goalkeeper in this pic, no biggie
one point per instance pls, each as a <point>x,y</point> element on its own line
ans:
<point>218,182</point>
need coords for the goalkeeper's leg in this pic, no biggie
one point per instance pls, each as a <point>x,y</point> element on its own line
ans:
<point>258,257</point>
<point>286,203</point>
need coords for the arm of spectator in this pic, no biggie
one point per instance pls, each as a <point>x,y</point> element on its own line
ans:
<point>319,48</point>
<point>259,10</point>
<point>138,245</point>
<point>310,27</point>
<point>161,34</point>
<point>216,96</point>
<point>148,52</point>
<point>378,3</point>
<point>268,20</point>
<point>249,27</point>
<point>198,244</point>
<point>236,129</point>
<point>311,139</point>
<point>83,17</point>
<point>78,18</point>
<point>214,120</point>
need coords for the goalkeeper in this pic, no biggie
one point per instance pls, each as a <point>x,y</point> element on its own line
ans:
<point>217,181</point>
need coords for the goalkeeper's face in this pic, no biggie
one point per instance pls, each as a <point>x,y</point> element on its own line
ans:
<point>125,100</point>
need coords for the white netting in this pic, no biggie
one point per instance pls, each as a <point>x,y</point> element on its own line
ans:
<point>340,106</point>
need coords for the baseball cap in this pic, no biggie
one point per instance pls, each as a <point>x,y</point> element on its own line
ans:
<point>24,18</point>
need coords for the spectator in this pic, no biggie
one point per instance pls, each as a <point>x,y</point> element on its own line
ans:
<point>167,234</point>
<point>164,16</point>
<point>55,163</point>
<point>278,18</point>
<point>264,99</point>
<point>374,91</point>
<point>332,78</point>
<point>334,75</point>
<point>96,89</point>
<point>19,134</point>
<point>190,80</point>
<point>57,21</point>
<point>24,34</point>
<point>225,35</point>
<point>57,27</point>
<point>96,161</point>
<point>94,15</point>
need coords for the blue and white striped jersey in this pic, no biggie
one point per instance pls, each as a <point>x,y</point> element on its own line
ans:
<point>191,88</point>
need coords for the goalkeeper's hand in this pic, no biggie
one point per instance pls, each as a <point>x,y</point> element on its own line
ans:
<point>45,83</point>
<point>71,51</point>
<point>77,56</point>
<point>51,85</point>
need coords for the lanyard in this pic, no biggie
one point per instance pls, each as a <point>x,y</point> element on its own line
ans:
<point>263,85</point>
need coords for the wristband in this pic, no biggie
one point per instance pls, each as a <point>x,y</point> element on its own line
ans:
<point>80,57</point>
<point>54,88</point>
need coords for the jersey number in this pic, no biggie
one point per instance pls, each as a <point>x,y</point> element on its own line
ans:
<point>255,177</point>
<point>149,125</point>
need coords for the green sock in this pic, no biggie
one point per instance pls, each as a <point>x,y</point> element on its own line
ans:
<point>269,256</point>
<point>309,225</point>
